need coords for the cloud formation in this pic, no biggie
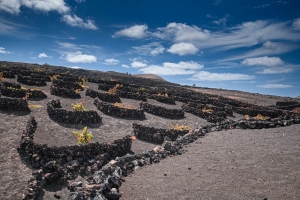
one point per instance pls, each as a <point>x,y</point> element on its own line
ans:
<point>13,7</point>
<point>263,61</point>
<point>183,49</point>
<point>137,32</point>
<point>296,24</point>
<point>74,21</point>
<point>111,61</point>
<point>171,69</point>
<point>3,51</point>
<point>208,76</point>
<point>79,57</point>
<point>281,70</point>
<point>43,55</point>
<point>153,49</point>
<point>275,86</point>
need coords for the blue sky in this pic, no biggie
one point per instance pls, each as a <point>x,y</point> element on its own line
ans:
<point>235,44</point>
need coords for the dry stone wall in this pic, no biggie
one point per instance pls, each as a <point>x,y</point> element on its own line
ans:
<point>57,113</point>
<point>112,98</point>
<point>162,111</point>
<point>116,111</point>
<point>64,92</point>
<point>28,80</point>
<point>13,104</point>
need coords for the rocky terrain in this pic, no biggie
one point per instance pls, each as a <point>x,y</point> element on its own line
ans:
<point>151,139</point>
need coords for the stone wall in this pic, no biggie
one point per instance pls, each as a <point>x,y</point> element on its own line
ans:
<point>8,74</point>
<point>20,93</point>
<point>104,86</point>
<point>162,111</point>
<point>155,135</point>
<point>131,95</point>
<point>13,104</point>
<point>59,164</point>
<point>31,81</point>
<point>67,84</point>
<point>64,92</point>
<point>112,98</point>
<point>116,111</point>
<point>61,115</point>
<point>168,100</point>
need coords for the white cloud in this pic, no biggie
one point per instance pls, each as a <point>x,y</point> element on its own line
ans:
<point>80,1</point>
<point>43,55</point>
<point>78,57</point>
<point>249,34</point>
<point>76,67</point>
<point>125,66</point>
<point>153,49</point>
<point>179,32</point>
<point>183,49</point>
<point>13,6</point>
<point>138,64</point>
<point>207,76</point>
<point>276,71</point>
<point>171,69</point>
<point>111,61</point>
<point>3,51</point>
<point>268,48</point>
<point>296,24</point>
<point>263,61</point>
<point>276,86</point>
<point>74,21</point>
<point>221,21</point>
<point>137,31</point>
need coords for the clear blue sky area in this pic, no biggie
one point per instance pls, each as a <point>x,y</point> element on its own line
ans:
<point>231,44</point>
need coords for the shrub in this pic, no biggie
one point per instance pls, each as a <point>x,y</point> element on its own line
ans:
<point>114,89</point>
<point>79,107</point>
<point>258,117</point>
<point>83,137</point>
<point>163,95</point>
<point>141,89</point>
<point>207,110</point>
<point>1,76</point>
<point>296,110</point>
<point>83,86</point>
<point>120,105</point>
<point>179,128</point>
<point>33,105</point>
<point>54,77</point>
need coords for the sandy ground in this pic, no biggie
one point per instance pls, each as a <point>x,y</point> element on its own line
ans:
<point>271,163</point>
<point>235,164</point>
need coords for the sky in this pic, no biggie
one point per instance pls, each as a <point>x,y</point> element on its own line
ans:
<point>242,45</point>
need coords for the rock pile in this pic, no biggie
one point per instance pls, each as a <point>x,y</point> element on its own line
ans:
<point>116,111</point>
<point>67,84</point>
<point>61,115</point>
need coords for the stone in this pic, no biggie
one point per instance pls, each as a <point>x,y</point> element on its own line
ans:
<point>113,194</point>
<point>72,164</point>
<point>73,185</point>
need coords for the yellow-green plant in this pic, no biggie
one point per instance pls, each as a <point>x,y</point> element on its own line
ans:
<point>83,86</point>
<point>141,89</point>
<point>83,137</point>
<point>78,106</point>
<point>179,127</point>
<point>258,117</point>
<point>33,105</point>
<point>54,77</point>
<point>207,110</point>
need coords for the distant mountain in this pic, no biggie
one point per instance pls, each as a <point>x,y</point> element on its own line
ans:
<point>152,76</point>
<point>298,97</point>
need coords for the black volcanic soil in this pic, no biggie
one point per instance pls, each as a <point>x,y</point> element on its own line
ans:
<point>235,164</point>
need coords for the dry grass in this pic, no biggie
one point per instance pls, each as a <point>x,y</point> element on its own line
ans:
<point>79,106</point>
<point>121,105</point>
<point>179,127</point>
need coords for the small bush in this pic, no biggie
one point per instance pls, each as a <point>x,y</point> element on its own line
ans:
<point>54,77</point>
<point>114,89</point>
<point>258,117</point>
<point>79,107</point>
<point>179,128</point>
<point>1,76</point>
<point>207,110</point>
<point>33,105</point>
<point>83,137</point>
<point>296,110</point>
<point>120,105</point>
<point>163,95</point>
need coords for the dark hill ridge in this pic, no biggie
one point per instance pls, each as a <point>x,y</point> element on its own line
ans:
<point>46,143</point>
